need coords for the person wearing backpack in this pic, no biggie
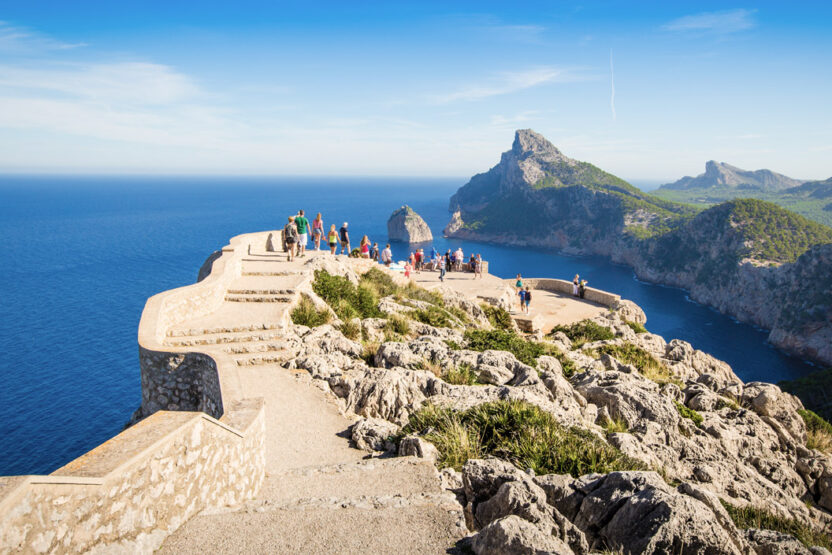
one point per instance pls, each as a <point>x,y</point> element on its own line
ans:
<point>527,299</point>
<point>290,235</point>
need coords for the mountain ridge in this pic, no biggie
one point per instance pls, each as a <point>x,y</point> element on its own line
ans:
<point>721,174</point>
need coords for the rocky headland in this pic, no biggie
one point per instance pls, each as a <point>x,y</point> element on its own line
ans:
<point>407,226</point>
<point>748,258</point>
<point>597,437</point>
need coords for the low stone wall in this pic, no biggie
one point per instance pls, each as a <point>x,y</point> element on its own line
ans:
<point>565,287</point>
<point>131,492</point>
<point>179,381</point>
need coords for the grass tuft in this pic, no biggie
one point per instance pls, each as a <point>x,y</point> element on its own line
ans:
<point>646,363</point>
<point>398,324</point>
<point>306,314</point>
<point>755,517</point>
<point>526,351</point>
<point>636,327</point>
<point>460,375</point>
<point>519,432</point>
<point>616,425</point>
<point>351,329</point>
<point>585,331</point>
<point>688,413</point>
<point>818,431</point>
<point>432,316</point>
<point>500,318</point>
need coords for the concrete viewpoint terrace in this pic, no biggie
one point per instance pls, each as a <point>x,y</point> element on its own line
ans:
<point>235,452</point>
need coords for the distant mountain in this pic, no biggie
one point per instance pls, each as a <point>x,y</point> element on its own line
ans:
<point>748,258</point>
<point>721,175</point>
<point>812,189</point>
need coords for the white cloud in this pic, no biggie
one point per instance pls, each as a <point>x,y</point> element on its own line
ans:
<point>720,22</point>
<point>22,40</point>
<point>506,83</point>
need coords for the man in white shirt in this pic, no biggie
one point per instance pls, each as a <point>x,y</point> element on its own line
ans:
<point>387,255</point>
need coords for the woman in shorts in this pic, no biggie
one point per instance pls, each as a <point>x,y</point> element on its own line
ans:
<point>333,239</point>
<point>317,231</point>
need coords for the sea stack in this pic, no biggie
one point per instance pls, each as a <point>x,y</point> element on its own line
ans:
<point>407,226</point>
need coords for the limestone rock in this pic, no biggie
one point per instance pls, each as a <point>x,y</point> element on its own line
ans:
<point>512,535</point>
<point>374,434</point>
<point>415,446</point>
<point>769,542</point>
<point>407,226</point>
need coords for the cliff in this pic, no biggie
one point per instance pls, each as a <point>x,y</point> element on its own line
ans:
<point>744,257</point>
<point>407,226</point>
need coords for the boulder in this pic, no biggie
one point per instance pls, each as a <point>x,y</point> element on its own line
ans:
<point>374,434</point>
<point>414,446</point>
<point>770,542</point>
<point>512,535</point>
<point>407,226</point>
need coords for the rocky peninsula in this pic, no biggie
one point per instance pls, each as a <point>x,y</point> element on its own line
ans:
<point>331,405</point>
<point>406,226</point>
<point>747,258</point>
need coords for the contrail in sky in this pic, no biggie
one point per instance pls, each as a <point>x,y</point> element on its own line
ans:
<point>612,87</point>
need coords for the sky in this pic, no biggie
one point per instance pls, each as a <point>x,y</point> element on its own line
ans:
<point>648,91</point>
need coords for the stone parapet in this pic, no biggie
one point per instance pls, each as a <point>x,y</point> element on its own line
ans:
<point>565,287</point>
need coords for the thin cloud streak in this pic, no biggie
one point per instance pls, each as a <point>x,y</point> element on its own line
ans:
<point>721,22</point>
<point>506,84</point>
<point>22,40</point>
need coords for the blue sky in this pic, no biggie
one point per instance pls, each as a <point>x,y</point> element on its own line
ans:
<point>648,92</point>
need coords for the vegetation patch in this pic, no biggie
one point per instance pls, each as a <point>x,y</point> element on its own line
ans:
<point>518,432</point>
<point>500,318</point>
<point>432,316</point>
<point>818,431</point>
<point>397,324</point>
<point>526,351</point>
<point>368,352</point>
<point>636,327</point>
<point>616,425</point>
<point>307,314</point>
<point>645,363</point>
<point>813,391</point>
<point>460,375</point>
<point>585,331</point>
<point>755,517</point>
<point>351,329</point>
<point>688,413</point>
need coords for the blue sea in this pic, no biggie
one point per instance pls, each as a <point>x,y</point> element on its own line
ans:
<point>82,255</point>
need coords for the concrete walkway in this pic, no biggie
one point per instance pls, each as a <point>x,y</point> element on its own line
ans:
<point>320,495</point>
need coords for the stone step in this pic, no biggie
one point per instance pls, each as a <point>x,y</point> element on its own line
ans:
<point>266,273</point>
<point>191,332</point>
<point>259,359</point>
<point>260,292</point>
<point>258,299</point>
<point>232,338</point>
<point>255,347</point>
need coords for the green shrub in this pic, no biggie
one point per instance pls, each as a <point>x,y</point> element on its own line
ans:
<point>646,364</point>
<point>346,299</point>
<point>453,345</point>
<point>519,432</point>
<point>615,425</point>
<point>585,331</point>
<point>636,327</point>
<point>381,280</point>
<point>460,375</point>
<point>502,340</point>
<point>433,316</point>
<point>688,413</point>
<point>756,517</point>
<point>368,353</point>
<point>351,329</point>
<point>818,431</point>
<point>500,318</point>
<point>306,314</point>
<point>398,324</point>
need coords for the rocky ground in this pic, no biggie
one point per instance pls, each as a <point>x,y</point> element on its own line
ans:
<point>713,465</point>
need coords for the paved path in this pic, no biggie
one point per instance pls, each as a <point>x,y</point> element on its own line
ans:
<point>320,495</point>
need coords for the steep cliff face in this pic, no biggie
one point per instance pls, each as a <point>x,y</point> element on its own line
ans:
<point>747,258</point>
<point>407,226</point>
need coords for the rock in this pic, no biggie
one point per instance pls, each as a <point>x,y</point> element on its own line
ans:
<point>393,354</point>
<point>374,434</point>
<point>414,446</point>
<point>324,366</point>
<point>770,402</point>
<point>512,535</point>
<point>326,339</point>
<point>630,311</point>
<point>407,226</point>
<point>628,396</point>
<point>770,542</point>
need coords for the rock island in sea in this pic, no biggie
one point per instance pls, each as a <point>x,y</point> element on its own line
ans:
<point>407,226</point>
<point>276,396</point>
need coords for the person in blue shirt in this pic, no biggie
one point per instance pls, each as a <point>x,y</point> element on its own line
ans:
<point>522,295</point>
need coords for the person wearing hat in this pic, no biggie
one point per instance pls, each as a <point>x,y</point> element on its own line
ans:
<point>345,239</point>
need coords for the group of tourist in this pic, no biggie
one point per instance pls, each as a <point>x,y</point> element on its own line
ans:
<point>524,294</point>
<point>451,261</point>
<point>578,286</point>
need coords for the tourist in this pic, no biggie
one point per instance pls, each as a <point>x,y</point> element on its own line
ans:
<point>374,252</point>
<point>290,236</point>
<point>433,253</point>
<point>303,232</point>
<point>527,299</point>
<point>387,255</point>
<point>408,266</point>
<point>442,267</point>
<point>478,272</point>
<point>364,247</point>
<point>575,283</point>
<point>522,296</point>
<point>460,256</point>
<point>411,259</point>
<point>582,288</point>
<point>418,257</point>
<point>472,264</point>
<point>317,231</point>
<point>518,286</point>
<point>345,239</point>
<point>333,239</point>
<point>448,261</point>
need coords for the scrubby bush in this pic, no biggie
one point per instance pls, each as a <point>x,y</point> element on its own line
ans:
<point>307,314</point>
<point>433,316</point>
<point>636,327</point>
<point>818,431</point>
<point>585,331</point>
<point>757,517</point>
<point>500,318</point>
<point>519,432</point>
<point>688,413</point>
<point>460,375</point>
<point>351,329</point>
<point>644,362</point>
<point>398,324</point>
<point>502,340</point>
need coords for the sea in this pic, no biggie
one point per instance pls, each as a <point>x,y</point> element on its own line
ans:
<point>83,254</point>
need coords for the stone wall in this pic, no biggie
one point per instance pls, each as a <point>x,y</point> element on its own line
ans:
<point>565,287</point>
<point>129,493</point>
<point>179,381</point>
